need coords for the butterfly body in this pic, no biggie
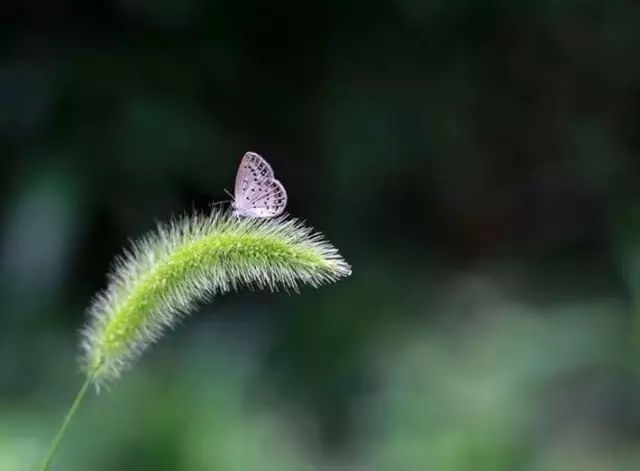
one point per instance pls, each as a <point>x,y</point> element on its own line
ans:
<point>257,192</point>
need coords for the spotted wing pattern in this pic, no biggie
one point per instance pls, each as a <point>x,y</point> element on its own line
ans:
<point>257,192</point>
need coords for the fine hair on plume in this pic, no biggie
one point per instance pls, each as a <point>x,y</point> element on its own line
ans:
<point>163,276</point>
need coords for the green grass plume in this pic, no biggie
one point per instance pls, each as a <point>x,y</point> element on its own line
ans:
<point>166,274</point>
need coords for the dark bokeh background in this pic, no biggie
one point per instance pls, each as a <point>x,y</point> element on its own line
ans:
<point>475,161</point>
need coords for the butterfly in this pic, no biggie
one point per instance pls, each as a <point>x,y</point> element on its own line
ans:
<point>257,193</point>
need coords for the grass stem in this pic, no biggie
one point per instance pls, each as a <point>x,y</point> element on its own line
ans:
<point>55,443</point>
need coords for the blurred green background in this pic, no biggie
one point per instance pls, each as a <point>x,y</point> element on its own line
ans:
<point>476,162</point>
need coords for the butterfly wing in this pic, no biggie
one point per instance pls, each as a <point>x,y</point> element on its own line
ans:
<point>253,168</point>
<point>257,192</point>
<point>270,200</point>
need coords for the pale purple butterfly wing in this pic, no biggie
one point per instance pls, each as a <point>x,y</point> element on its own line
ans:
<point>253,168</point>
<point>257,192</point>
<point>270,201</point>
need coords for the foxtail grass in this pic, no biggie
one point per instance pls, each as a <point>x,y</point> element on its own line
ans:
<point>170,271</point>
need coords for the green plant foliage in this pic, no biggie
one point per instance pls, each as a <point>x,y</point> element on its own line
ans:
<point>163,277</point>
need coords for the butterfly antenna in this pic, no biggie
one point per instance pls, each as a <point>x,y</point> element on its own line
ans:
<point>229,193</point>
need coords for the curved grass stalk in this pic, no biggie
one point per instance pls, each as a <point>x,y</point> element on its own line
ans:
<point>168,272</point>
